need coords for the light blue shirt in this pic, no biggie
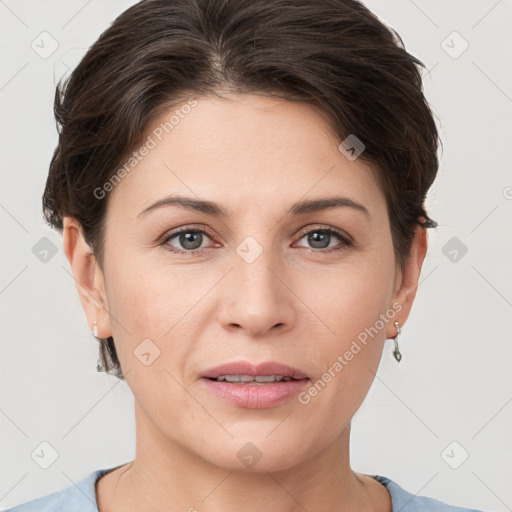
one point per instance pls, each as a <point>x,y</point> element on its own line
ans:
<point>82,498</point>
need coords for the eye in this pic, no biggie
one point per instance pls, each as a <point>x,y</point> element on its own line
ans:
<point>188,240</point>
<point>321,238</point>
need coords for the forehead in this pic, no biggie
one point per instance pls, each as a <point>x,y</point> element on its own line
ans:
<point>246,150</point>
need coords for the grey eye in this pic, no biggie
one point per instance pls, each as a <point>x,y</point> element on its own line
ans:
<point>322,238</point>
<point>188,240</point>
<point>319,239</point>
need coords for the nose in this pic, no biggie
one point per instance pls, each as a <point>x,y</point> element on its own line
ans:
<point>256,298</point>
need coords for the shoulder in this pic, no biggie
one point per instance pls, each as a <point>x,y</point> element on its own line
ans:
<point>77,497</point>
<point>405,501</point>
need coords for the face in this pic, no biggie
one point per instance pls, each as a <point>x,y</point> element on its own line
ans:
<point>267,275</point>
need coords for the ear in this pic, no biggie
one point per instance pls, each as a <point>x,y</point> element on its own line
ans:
<point>88,277</point>
<point>406,283</point>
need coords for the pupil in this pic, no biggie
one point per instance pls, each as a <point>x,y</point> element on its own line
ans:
<point>189,240</point>
<point>318,239</point>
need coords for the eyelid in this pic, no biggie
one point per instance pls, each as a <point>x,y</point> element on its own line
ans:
<point>186,228</point>
<point>342,234</point>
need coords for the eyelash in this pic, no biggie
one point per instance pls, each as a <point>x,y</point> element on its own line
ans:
<point>345,239</point>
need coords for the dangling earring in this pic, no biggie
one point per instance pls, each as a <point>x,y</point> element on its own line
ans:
<point>95,331</point>
<point>396,352</point>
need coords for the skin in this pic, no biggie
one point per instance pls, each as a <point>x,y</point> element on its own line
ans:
<point>296,303</point>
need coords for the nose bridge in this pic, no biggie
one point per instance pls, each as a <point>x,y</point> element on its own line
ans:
<point>256,299</point>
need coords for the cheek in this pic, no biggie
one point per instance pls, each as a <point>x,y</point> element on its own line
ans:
<point>151,329</point>
<point>149,302</point>
<point>350,298</point>
<point>348,350</point>
<point>152,294</point>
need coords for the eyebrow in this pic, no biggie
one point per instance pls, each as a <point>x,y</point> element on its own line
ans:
<point>215,210</point>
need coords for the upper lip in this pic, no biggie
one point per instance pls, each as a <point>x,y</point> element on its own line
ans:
<point>246,368</point>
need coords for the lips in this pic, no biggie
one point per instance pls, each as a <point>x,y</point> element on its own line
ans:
<point>265,369</point>
<point>245,385</point>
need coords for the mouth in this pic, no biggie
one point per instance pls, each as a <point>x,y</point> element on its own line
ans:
<point>254,386</point>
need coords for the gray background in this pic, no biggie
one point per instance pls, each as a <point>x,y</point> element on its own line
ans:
<point>453,384</point>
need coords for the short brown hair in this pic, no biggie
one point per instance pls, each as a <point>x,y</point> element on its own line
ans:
<point>333,54</point>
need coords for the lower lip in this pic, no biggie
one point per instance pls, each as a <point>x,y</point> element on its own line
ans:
<point>255,396</point>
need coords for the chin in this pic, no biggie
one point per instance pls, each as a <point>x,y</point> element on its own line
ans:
<point>260,453</point>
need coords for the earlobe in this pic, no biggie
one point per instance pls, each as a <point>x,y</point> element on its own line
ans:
<point>87,275</point>
<point>408,278</point>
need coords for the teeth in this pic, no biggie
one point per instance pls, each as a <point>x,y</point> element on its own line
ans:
<point>249,378</point>
<point>267,378</point>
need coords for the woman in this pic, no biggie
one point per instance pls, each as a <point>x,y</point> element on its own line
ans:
<point>240,186</point>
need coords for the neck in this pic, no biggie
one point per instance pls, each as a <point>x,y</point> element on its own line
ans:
<point>160,479</point>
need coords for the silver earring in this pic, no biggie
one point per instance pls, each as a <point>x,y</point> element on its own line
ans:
<point>95,331</point>
<point>396,352</point>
